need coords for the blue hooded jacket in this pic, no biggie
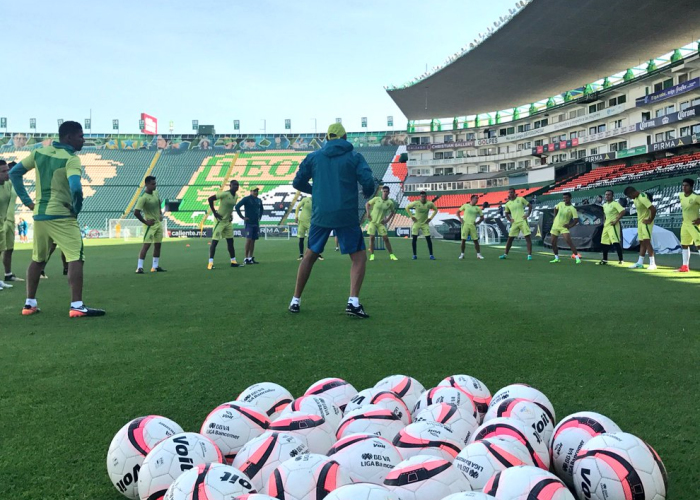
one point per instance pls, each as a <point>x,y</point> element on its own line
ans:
<point>336,170</point>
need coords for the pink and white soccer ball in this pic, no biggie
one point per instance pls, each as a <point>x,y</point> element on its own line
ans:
<point>172,457</point>
<point>370,419</point>
<point>425,478</point>
<point>211,482</point>
<point>260,456</point>
<point>362,491</point>
<point>462,423</point>
<point>267,396</point>
<point>129,448</point>
<point>369,458</point>
<point>408,388</point>
<point>619,466</point>
<point>474,388</point>
<point>231,425</point>
<point>510,428</point>
<point>428,438</point>
<point>318,405</point>
<point>479,461</point>
<point>531,414</point>
<point>307,477</point>
<point>524,391</point>
<point>445,394</point>
<point>469,495</point>
<point>255,496</point>
<point>337,390</point>
<point>569,437</point>
<point>526,482</point>
<point>386,399</point>
<point>318,434</point>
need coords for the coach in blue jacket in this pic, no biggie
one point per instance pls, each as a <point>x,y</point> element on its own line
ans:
<point>336,170</point>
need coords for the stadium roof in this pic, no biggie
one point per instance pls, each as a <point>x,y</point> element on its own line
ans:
<point>551,47</point>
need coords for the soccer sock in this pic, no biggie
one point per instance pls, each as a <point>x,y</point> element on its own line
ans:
<point>413,244</point>
<point>211,261</point>
<point>140,264</point>
<point>77,304</point>
<point>686,256</point>
<point>301,246</point>
<point>30,302</point>
<point>618,248</point>
<point>606,249</point>
<point>640,260</point>
<point>295,300</point>
<point>652,261</point>
<point>430,244</point>
<point>155,262</point>
<point>355,301</point>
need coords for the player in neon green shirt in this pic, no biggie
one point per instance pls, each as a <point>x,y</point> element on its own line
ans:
<point>690,229</point>
<point>379,210</point>
<point>7,198</point>
<point>471,216</point>
<point>302,216</point>
<point>223,229</point>
<point>565,217</point>
<point>514,210</point>
<point>421,221</point>
<point>148,211</point>
<point>612,232</point>
<point>646,212</point>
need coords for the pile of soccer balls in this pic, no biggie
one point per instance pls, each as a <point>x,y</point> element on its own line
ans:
<point>395,441</point>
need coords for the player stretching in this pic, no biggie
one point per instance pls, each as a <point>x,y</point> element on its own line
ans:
<point>421,221</point>
<point>9,228</point>
<point>612,232</point>
<point>253,213</point>
<point>7,199</point>
<point>380,209</point>
<point>646,212</point>
<point>565,217</point>
<point>468,215</point>
<point>223,229</point>
<point>690,229</point>
<point>305,207</point>
<point>59,198</point>
<point>515,213</point>
<point>148,211</point>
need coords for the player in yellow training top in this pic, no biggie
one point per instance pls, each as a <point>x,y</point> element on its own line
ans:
<point>302,216</point>
<point>223,229</point>
<point>421,221</point>
<point>690,229</point>
<point>515,213</point>
<point>380,209</point>
<point>612,232</point>
<point>470,215</point>
<point>646,212</point>
<point>147,210</point>
<point>565,217</point>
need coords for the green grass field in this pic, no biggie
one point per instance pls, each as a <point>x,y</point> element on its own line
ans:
<point>624,343</point>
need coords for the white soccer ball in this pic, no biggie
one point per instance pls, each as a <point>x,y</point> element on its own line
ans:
<point>370,419</point>
<point>610,466</point>
<point>524,391</point>
<point>231,425</point>
<point>474,388</point>
<point>569,437</point>
<point>479,461</point>
<point>368,457</point>
<point>318,405</point>
<point>510,428</point>
<point>386,399</point>
<point>307,477</point>
<point>425,478</point>
<point>428,438</point>
<point>445,394</point>
<point>170,458</point>
<point>362,491</point>
<point>524,482</point>
<point>211,481</point>
<point>337,390</point>
<point>469,495</point>
<point>314,429</point>
<point>408,388</point>
<point>129,448</point>
<point>267,396</point>
<point>531,414</point>
<point>260,456</point>
<point>462,423</point>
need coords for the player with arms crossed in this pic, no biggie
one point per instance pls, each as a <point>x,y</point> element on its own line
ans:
<point>59,198</point>
<point>515,213</point>
<point>468,215</point>
<point>612,232</point>
<point>147,210</point>
<point>646,212</point>
<point>690,229</point>
<point>305,208</point>
<point>380,210</point>
<point>223,229</point>
<point>421,221</point>
<point>565,217</point>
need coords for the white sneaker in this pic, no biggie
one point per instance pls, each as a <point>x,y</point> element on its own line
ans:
<point>652,267</point>
<point>5,285</point>
<point>461,257</point>
<point>480,257</point>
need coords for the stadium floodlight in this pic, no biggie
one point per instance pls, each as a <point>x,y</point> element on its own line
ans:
<point>32,123</point>
<point>338,120</point>
<point>115,125</point>
<point>195,124</point>
<point>171,126</point>
<point>60,121</point>
<point>88,124</point>
<point>287,124</point>
<point>236,124</point>
<point>389,121</point>
<point>3,122</point>
<point>364,122</point>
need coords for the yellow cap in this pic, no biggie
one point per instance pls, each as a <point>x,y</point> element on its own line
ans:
<point>335,131</point>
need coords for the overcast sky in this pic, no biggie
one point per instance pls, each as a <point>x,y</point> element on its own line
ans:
<point>223,60</point>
